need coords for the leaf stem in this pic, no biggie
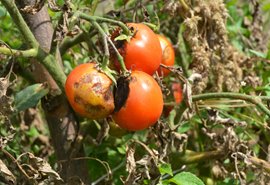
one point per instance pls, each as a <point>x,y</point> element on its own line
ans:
<point>103,19</point>
<point>256,100</point>
<point>19,21</point>
<point>105,44</point>
<point>24,53</point>
<point>195,157</point>
<point>48,60</point>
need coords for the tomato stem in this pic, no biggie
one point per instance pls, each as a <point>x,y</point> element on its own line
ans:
<point>24,53</point>
<point>184,4</point>
<point>105,62</point>
<point>256,100</point>
<point>94,20</point>
<point>103,19</point>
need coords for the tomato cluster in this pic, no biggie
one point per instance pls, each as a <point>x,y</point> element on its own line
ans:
<point>135,104</point>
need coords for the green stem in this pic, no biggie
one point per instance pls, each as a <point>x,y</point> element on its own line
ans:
<point>48,60</point>
<point>16,53</point>
<point>70,42</point>
<point>103,19</point>
<point>54,69</point>
<point>119,57</point>
<point>256,100</point>
<point>105,44</point>
<point>105,40</point>
<point>184,4</point>
<point>195,157</point>
<point>94,6</point>
<point>19,21</point>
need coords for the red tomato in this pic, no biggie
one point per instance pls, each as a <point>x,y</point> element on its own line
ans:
<point>89,92</point>
<point>177,92</point>
<point>144,103</point>
<point>167,55</point>
<point>143,52</point>
<point>177,95</point>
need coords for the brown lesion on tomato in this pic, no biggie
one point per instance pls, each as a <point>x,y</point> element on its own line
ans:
<point>87,78</point>
<point>94,108</point>
<point>97,87</point>
<point>107,96</point>
<point>76,85</point>
<point>166,53</point>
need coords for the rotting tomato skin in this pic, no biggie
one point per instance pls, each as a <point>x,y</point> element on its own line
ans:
<point>168,55</point>
<point>143,51</point>
<point>144,103</point>
<point>89,91</point>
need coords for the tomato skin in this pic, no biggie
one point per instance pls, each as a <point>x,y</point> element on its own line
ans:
<point>89,92</point>
<point>143,52</point>
<point>168,55</point>
<point>144,104</point>
<point>177,93</point>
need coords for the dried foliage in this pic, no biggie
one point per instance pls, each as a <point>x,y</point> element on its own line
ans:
<point>216,139</point>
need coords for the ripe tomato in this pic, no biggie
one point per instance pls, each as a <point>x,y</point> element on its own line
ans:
<point>89,92</point>
<point>177,96</point>
<point>177,92</point>
<point>143,105</point>
<point>143,52</point>
<point>167,55</point>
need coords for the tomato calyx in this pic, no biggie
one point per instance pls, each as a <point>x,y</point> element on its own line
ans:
<point>119,38</point>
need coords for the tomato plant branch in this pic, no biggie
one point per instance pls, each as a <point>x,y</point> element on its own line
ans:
<point>256,100</point>
<point>48,60</point>
<point>19,21</point>
<point>105,40</point>
<point>16,53</point>
<point>119,56</point>
<point>195,157</point>
<point>260,163</point>
<point>105,44</point>
<point>103,19</point>
<point>94,6</point>
<point>184,4</point>
<point>69,42</point>
<point>22,171</point>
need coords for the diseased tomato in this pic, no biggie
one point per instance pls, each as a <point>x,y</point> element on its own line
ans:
<point>143,51</point>
<point>89,91</point>
<point>143,105</point>
<point>167,55</point>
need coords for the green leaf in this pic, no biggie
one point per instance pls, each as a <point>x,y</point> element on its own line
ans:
<point>3,11</point>
<point>123,37</point>
<point>184,127</point>
<point>165,168</point>
<point>257,53</point>
<point>186,178</point>
<point>30,96</point>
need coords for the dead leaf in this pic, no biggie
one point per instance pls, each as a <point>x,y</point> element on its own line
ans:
<point>6,175</point>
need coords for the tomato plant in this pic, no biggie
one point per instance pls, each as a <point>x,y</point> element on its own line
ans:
<point>167,55</point>
<point>143,52</point>
<point>89,91</point>
<point>143,105</point>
